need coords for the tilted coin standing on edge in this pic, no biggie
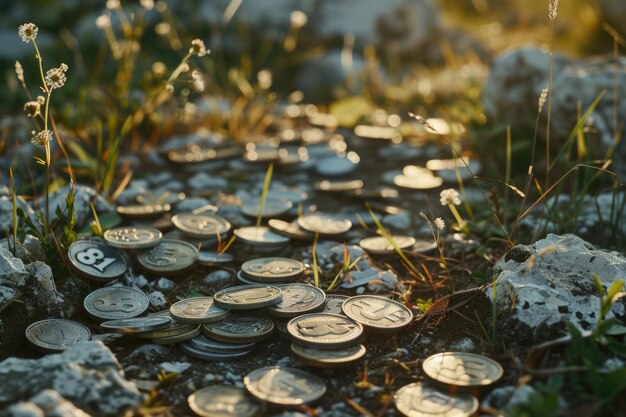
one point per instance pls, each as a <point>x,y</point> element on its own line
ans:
<point>333,304</point>
<point>462,369</point>
<point>324,224</point>
<point>324,330</point>
<point>247,297</point>
<point>328,358</point>
<point>57,334</point>
<point>239,329</point>
<point>273,269</point>
<point>297,299</point>
<point>137,324</point>
<point>197,310</point>
<point>95,260</point>
<point>379,245</point>
<point>420,400</point>
<point>202,226</point>
<point>377,314</point>
<point>133,237</point>
<point>110,303</point>
<point>284,386</point>
<point>223,401</point>
<point>169,257</point>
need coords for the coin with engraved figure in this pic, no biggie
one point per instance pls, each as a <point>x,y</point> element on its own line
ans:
<point>324,223</point>
<point>298,299</point>
<point>273,269</point>
<point>137,324</point>
<point>333,304</point>
<point>197,310</point>
<point>379,245</point>
<point>133,237</point>
<point>169,257</point>
<point>57,334</point>
<point>421,400</point>
<point>95,260</point>
<point>223,401</point>
<point>111,303</point>
<point>328,358</point>
<point>202,226</point>
<point>284,386</point>
<point>239,329</point>
<point>377,314</point>
<point>324,330</point>
<point>462,369</point>
<point>248,297</point>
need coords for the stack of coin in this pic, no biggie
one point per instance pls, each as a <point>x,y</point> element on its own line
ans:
<point>176,332</point>
<point>272,270</point>
<point>261,240</point>
<point>206,349</point>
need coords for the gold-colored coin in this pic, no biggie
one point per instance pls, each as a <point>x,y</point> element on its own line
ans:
<point>462,369</point>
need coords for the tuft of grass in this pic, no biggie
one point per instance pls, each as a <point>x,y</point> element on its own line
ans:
<point>266,188</point>
<point>14,212</point>
<point>316,272</point>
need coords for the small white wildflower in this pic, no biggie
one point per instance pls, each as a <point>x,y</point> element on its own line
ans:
<point>542,98</point>
<point>298,19</point>
<point>552,9</point>
<point>196,74</point>
<point>198,47</point>
<point>169,88</point>
<point>55,77</point>
<point>147,4</point>
<point>198,85</point>
<point>41,100</point>
<point>449,196</point>
<point>41,138</point>
<point>28,32</point>
<point>103,21</point>
<point>113,4</point>
<point>32,108</point>
<point>19,71</point>
<point>439,223</point>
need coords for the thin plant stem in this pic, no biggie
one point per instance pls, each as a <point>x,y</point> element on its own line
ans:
<point>549,118</point>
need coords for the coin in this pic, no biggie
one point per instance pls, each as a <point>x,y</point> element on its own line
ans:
<point>57,334</point>
<point>328,358</point>
<point>271,208</point>
<point>324,223</point>
<point>420,400</point>
<point>378,314</point>
<point>247,297</point>
<point>421,182</point>
<point>210,258</point>
<point>284,386</point>
<point>223,401</point>
<point>197,310</point>
<point>243,279</point>
<point>178,338</point>
<point>339,186</point>
<point>137,324</point>
<point>298,299</point>
<point>202,226</point>
<point>274,269</point>
<point>380,245</point>
<point>169,257</point>
<point>239,329</point>
<point>143,210</point>
<point>216,346</point>
<point>95,260</point>
<point>289,229</point>
<point>333,303</point>
<point>111,303</point>
<point>462,369</point>
<point>324,330</point>
<point>261,236</point>
<point>422,246</point>
<point>193,351</point>
<point>133,237</point>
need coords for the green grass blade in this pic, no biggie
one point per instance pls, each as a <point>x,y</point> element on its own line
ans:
<point>266,189</point>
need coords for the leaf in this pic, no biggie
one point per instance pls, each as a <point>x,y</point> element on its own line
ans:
<point>616,347</point>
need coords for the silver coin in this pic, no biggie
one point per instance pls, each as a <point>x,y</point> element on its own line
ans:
<point>223,401</point>
<point>324,224</point>
<point>111,303</point>
<point>137,324</point>
<point>328,358</point>
<point>144,210</point>
<point>57,334</point>
<point>422,246</point>
<point>291,230</point>
<point>177,338</point>
<point>462,369</point>
<point>284,386</point>
<point>261,236</point>
<point>174,328</point>
<point>169,256</point>
<point>197,310</point>
<point>420,400</point>
<point>193,351</point>
<point>333,303</point>
<point>298,299</point>
<point>215,346</point>
<point>377,313</point>
<point>271,208</point>
<point>133,237</point>
<point>274,269</point>
<point>202,226</point>
<point>324,330</point>
<point>379,245</point>
<point>243,279</point>
<point>239,329</point>
<point>95,260</point>
<point>248,297</point>
<point>210,258</point>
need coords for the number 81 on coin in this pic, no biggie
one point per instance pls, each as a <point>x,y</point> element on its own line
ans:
<point>95,260</point>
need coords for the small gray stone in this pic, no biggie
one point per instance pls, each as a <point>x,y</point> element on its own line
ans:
<point>165,284</point>
<point>28,251</point>
<point>48,403</point>
<point>157,299</point>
